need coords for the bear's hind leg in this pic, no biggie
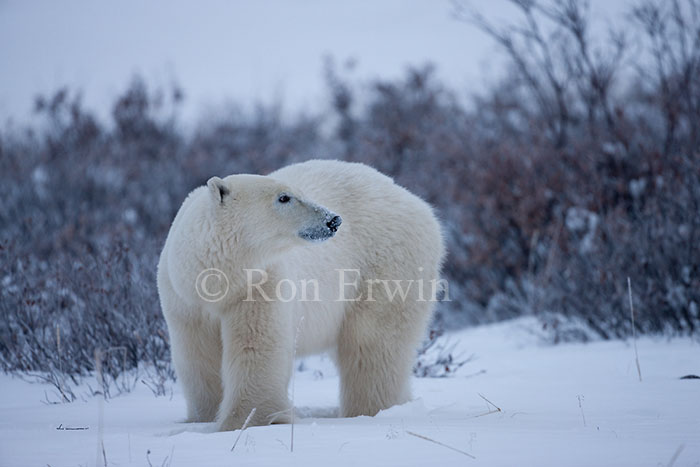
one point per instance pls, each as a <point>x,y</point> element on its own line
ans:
<point>376,352</point>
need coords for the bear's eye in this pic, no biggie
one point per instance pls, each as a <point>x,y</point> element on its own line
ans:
<point>284,199</point>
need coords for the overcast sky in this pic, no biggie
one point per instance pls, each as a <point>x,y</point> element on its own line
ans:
<point>219,51</point>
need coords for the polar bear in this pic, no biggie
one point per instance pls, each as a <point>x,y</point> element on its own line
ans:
<point>321,256</point>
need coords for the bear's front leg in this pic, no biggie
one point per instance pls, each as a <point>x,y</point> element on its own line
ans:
<point>256,364</point>
<point>196,352</point>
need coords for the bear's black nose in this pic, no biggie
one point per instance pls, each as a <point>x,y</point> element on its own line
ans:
<point>334,223</point>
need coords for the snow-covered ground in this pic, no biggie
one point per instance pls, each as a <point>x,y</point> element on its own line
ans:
<point>572,404</point>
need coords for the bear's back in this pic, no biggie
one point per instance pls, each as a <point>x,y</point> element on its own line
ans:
<point>378,214</point>
<point>323,179</point>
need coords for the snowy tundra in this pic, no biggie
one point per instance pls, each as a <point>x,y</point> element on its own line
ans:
<point>253,273</point>
<point>563,405</point>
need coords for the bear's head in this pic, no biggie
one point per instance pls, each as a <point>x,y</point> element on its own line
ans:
<point>265,215</point>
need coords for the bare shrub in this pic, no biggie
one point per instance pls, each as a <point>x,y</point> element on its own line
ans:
<point>588,169</point>
<point>437,357</point>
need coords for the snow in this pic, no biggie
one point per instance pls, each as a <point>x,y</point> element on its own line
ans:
<point>536,386</point>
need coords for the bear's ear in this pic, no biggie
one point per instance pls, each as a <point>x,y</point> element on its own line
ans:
<point>218,189</point>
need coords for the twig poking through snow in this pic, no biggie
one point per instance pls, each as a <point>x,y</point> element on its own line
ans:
<point>634,330</point>
<point>62,375</point>
<point>580,406</point>
<point>296,335</point>
<point>489,410</point>
<point>498,409</point>
<point>674,458</point>
<point>245,425</point>
<point>440,444</point>
<point>100,411</point>
<point>168,461</point>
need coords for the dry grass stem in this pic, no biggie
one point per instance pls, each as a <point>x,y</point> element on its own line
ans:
<point>245,425</point>
<point>296,336</point>
<point>634,329</point>
<point>440,444</point>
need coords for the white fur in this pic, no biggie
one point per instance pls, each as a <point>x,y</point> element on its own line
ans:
<point>235,355</point>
